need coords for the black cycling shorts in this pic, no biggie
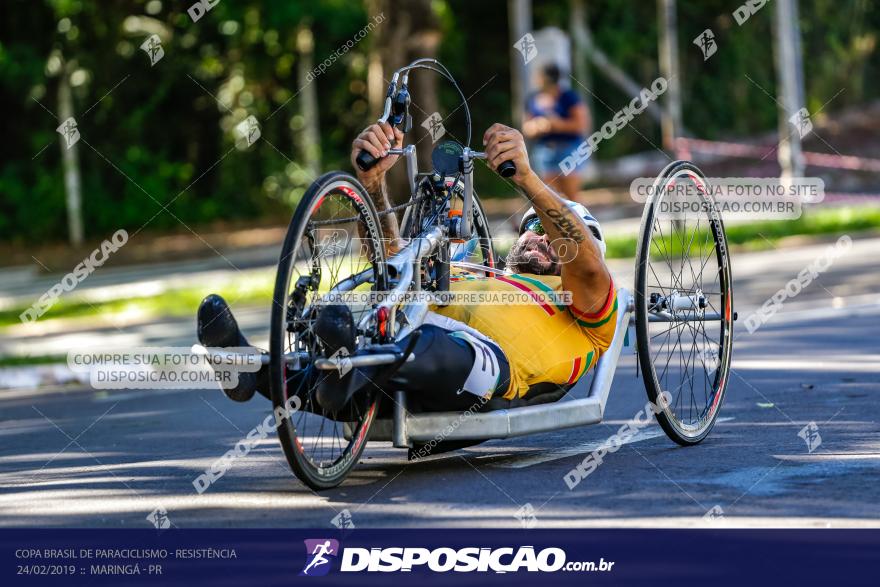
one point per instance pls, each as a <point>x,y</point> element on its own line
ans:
<point>435,378</point>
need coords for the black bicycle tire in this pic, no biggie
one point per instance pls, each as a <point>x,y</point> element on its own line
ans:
<point>307,473</point>
<point>652,384</point>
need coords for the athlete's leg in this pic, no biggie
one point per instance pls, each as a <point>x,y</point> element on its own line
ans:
<point>334,326</point>
<point>452,371</point>
<point>217,328</point>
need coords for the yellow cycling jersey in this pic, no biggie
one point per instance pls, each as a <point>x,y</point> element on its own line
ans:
<point>544,340</point>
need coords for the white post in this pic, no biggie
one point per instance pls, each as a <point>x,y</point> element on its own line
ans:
<point>669,69</point>
<point>789,73</point>
<point>70,163</point>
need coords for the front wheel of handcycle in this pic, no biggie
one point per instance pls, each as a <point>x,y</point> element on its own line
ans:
<point>683,303</point>
<point>333,244</point>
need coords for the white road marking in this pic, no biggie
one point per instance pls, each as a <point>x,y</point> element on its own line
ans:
<point>862,364</point>
<point>583,449</point>
<point>102,395</point>
<point>839,307</point>
<point>831,456</point>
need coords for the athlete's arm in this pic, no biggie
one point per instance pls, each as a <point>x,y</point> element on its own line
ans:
<point>584,272</point>
<point>376,139</point>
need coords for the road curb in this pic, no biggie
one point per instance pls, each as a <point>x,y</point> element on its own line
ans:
<point>33,377</point>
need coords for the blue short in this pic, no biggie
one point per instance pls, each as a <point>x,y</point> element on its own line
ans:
<point>546,157</point>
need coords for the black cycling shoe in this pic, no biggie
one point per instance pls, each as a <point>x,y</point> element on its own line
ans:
<point>217,328</point>
<point>216,324</point>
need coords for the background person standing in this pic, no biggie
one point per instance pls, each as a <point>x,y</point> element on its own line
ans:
<point>557,121</point>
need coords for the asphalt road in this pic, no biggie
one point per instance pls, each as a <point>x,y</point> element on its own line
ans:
<point>80,457</point>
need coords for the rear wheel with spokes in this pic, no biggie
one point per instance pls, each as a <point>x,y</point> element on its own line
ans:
<point>684,303</point>
<point>333,239</point>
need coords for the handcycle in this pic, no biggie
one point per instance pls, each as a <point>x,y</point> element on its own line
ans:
<point>681,308</point>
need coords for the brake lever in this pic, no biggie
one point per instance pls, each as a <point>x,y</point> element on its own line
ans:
<point>400,116</point>
<point>396,111</point>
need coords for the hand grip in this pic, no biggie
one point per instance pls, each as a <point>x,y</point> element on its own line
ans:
<point>507,169</point>
<point>365,161</point>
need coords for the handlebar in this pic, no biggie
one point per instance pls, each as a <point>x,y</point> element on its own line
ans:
<point>507,169</point>
<point>396,110</point>
<point>365,161</point>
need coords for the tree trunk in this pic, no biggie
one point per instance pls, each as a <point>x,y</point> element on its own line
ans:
<point>309,136</point>
<point>519,18</point>
<point>376,84</point>
<point>410,30</point>
<point>70,163</point>
<point>789,73</point>
<point>580,67</point>
<point>670,70</point>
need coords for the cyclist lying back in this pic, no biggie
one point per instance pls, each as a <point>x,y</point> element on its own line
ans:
<point>469,353</point>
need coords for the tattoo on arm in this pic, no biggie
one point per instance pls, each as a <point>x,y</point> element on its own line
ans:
<point>567,226</point>
<point>564,225</point>
<point>551,207</point>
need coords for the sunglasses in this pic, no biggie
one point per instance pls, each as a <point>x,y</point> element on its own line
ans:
<point>535,226</point>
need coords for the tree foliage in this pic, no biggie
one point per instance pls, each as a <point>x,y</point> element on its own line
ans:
<point>158,146</point>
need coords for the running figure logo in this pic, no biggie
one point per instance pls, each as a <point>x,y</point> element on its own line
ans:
<point>434,125</point>
<point>68,129</point>
<point>706,42</point>
<point>527,47</point>
<point>317,552</point>
<point>801,121</point>
<point>248,131</point>
<point>153,48</point>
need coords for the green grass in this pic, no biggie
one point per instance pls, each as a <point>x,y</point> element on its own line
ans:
<point>765,235</point>
<point>178,302</point>
<point>28,361</point>
<point>251,289</point>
